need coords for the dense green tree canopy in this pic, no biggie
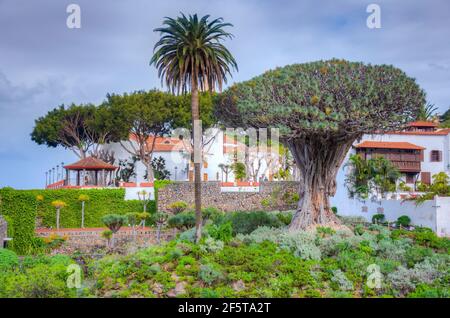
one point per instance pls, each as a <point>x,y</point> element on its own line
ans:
<point>77,127</point>
<point>324,98</point>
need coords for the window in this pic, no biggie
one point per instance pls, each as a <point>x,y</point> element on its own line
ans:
<point>425,177</point>
<point>410,178</point>
<point>436,156</point>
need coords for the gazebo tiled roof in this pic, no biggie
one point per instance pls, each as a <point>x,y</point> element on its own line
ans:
<point>90,163</point>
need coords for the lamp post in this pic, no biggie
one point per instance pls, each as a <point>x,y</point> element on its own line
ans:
<point>57,173</point>
<point>46,179</point>
<point>53,175</point>
<point>176,170</point>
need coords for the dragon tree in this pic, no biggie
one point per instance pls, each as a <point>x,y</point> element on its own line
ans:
<point>320,109</point>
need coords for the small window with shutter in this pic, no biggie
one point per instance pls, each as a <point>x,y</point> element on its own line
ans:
<point>436,156</point>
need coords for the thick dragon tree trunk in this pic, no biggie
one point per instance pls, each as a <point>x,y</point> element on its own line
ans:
<point>319,162</point>
<point>197,167</point>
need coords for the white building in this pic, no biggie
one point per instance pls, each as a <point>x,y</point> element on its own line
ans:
<point>419,152</point>
<point>222,149</point>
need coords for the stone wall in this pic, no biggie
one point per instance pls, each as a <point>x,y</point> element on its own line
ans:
<point>271,196</point>
<point>3,231</point>
<point>83,239</point>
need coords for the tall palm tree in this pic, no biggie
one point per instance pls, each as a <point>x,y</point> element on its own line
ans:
<point>190,56</point>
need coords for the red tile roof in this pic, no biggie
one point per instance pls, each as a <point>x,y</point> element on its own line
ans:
<point>439,132</point>
<point>165,144</point>
<point>422,123</point>
<point>389,145</point>
<point>90,163</point>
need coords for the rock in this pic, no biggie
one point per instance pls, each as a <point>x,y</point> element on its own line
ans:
<point>157,288</point>
<point>180,288</point>
<point>238,286</point>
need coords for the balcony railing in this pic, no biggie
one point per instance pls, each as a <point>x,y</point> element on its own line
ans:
<point>407,166</point>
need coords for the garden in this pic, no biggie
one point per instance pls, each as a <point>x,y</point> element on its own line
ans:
<point>247,254</point>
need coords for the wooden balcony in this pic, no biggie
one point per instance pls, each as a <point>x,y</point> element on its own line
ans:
<point>407,166</point>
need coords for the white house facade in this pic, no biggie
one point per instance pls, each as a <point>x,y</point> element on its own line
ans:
<point>419,152</point>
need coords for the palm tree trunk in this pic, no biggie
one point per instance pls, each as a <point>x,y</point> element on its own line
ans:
<point>197,167</point>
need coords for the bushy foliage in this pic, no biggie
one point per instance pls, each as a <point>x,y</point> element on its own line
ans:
<point>8,259</point>
<point>178,207</point>
<point>19,206</point>
<point>378,218</point>
<point>114,221</point>
<point>182,220</point>
<point>41,277</point>
<point>403,220</point>
<point>247,222</point>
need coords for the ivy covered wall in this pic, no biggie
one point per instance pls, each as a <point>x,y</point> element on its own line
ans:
<point>21,209</point>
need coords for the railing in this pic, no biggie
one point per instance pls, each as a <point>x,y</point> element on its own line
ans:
<point>56,185</point>
<point>407,165</point>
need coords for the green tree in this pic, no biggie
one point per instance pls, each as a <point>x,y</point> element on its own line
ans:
<point>138,119</point>
<point>357,180</point>
<point>384,175</point>
<point>190,56</point>
<point>58,205</point>
<point>320,109</point>
<point>445,119</point>
<point>78,128</point>
<point>239,171</point>
<point>159,167</point>
<point>114,222</point>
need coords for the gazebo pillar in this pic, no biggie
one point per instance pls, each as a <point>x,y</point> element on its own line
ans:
<point>84,177</point>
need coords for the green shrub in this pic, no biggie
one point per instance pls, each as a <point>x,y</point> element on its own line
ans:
<point>247,222</point>
<point>334,209</point>
<point>378,218</point>
<point>178,207</point>
<point>211,213</point>
<point>8,259</point>
<point>285,217</point>
<point>222,232</point>
<point>182,220</point>
<point>114,221</point>
<point>209,274</point>
<point>404,221</point>
<point>40,281</point>
<point>325,231</point>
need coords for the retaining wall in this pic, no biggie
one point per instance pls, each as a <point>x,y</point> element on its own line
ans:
<point>270,196</point>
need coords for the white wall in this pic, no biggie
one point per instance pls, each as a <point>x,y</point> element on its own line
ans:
<point>443,216</point>
<point>132,193</point>
<point>434,214</point>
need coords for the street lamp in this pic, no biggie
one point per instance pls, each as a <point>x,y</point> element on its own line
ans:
<point>176,169</point>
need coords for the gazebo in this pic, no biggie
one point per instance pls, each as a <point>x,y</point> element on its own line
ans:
<point>90,172</point>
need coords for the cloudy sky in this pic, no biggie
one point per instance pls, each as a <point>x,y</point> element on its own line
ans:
<point>44,64</point>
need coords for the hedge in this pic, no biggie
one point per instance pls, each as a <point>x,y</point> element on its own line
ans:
<point>21,208</point>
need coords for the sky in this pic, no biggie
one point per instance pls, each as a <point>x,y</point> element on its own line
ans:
<point>43,63</point>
